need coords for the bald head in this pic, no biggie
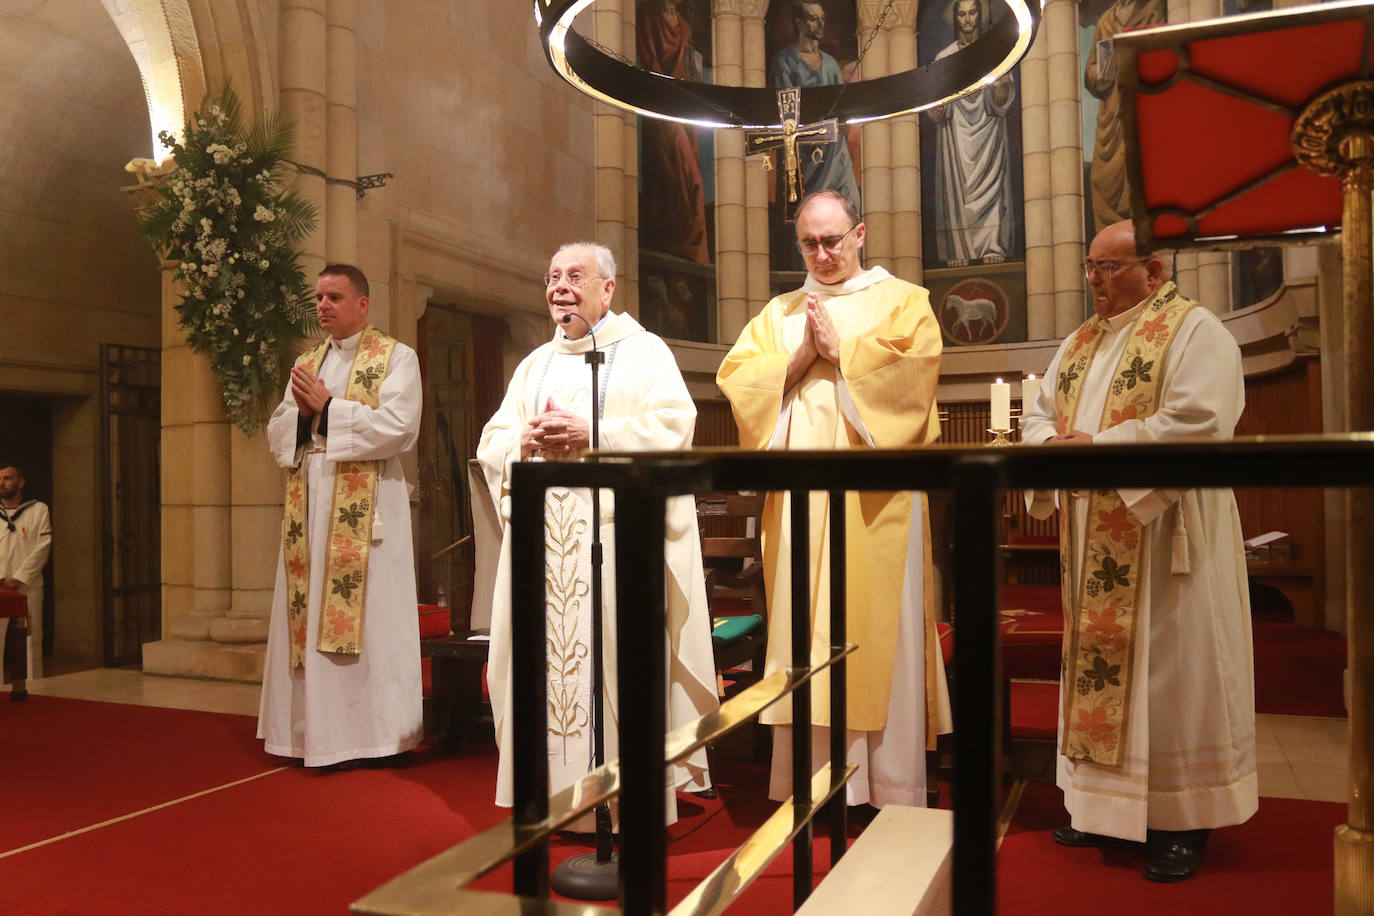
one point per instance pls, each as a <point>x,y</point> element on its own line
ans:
<point>1119,278</point>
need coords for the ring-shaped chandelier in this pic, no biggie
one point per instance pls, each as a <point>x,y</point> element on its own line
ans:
<point>654,95</point>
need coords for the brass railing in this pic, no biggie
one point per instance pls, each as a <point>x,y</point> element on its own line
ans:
<point>977,479</point>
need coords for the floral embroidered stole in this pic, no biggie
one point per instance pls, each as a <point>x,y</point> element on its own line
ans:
<point>350,520</point>
<point>1100,614</point>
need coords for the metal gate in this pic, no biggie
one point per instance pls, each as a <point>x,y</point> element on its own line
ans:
<point>131,541</point>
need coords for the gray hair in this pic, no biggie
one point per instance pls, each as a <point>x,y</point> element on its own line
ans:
<point>1167,259</point>
<point>605,261</point>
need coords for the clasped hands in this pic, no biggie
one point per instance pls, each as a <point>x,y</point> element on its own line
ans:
<point>820,339</point>
<point>555,430</point>
<point>309,391</point>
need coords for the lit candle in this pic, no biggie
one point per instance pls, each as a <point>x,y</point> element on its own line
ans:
<point>1001,405</point>
<point>1030,390</point>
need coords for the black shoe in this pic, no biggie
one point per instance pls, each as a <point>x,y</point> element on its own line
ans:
<point>704,793</point>
<point>1068,836</point>
<point>1175,854</point>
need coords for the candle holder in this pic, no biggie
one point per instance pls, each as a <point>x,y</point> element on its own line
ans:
<point>999,437</point>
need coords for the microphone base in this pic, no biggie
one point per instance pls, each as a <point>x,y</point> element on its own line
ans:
<point>584,878</point>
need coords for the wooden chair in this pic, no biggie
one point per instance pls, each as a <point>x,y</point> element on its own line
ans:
<point>732,553</point>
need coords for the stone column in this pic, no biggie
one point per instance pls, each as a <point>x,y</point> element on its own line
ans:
<point>303,47</point>
<point>319,93</point>
<point>1060,25</point>
<point>197,541</point>
<point>905,151</point>
<point>756,180</point>
<point>341,130</point>
<point>1214,280</point>
<point>1202,275</point>
<point>627,287</point>
<point>1035,145</point>
<point>732,224</point>
<point>236,487</point>
<point>1185,273</point>
<point>877,151</point>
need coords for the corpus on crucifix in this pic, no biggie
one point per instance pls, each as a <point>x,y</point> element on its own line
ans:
<point>792,135</point>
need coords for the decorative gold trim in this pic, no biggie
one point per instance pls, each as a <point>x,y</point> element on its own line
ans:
<point>1336,130</point>
<point>733,876</point>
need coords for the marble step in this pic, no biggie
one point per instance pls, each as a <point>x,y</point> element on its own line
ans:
<point>205,659</point>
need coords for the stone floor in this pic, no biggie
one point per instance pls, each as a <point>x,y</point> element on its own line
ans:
<point>1299,757</point>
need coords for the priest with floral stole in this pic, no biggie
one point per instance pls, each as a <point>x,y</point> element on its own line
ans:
<point>1157,699</point>
<point>342,676</point>
<point>850,361</point>
<point>643,405</point>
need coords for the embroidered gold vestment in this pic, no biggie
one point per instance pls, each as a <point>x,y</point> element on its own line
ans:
<point>344,590</point>
<point>1100,610</point>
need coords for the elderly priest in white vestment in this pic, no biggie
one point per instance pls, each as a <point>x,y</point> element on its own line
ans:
<point>850,361</point>
<point>342,677</point>
<point>546,415</point>
<point>1157,700</point>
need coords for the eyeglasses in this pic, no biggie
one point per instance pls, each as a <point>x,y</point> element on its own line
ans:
<point>829,243</point>
<point>574,277</point>
<point>1105,269</point>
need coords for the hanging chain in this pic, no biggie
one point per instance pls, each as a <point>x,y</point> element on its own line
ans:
<point>858,62</point>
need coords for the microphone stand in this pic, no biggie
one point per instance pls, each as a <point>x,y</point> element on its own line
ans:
<point>593,876</point>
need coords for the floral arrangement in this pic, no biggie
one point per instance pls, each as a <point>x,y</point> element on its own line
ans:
<point>225,215</point>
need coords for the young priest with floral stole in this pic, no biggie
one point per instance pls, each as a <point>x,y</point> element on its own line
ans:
<point>342,678</point>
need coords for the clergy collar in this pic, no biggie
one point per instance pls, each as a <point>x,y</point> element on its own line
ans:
<point>348,344</point>
<point>562,329</point>
<point>852,285</point>
<point>1117,322</point>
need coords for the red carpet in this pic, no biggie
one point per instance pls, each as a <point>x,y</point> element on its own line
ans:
<point>75,752</point>
<point>301,841</point>
<point>1280,861</point>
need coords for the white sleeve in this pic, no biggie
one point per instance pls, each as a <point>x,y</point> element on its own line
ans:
<point>360,433</point>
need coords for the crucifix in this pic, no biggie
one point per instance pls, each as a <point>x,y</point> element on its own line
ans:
<point>792,136</point>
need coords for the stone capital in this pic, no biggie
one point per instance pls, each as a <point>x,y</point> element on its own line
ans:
<point>901,16</point>
<point>745,9</point>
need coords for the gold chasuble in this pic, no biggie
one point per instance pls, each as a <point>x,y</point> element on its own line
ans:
<point>882,395</point>
<point>350,525</point>
<point>1099,645</point>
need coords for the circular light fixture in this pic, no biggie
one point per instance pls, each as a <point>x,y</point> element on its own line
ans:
<point>615,82</point>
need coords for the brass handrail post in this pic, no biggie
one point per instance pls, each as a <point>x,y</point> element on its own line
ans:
<point>1334,136</point>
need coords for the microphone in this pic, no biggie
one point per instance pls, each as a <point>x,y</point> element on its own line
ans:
<point>567,319</point>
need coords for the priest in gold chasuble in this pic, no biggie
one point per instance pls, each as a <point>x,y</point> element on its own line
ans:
<point>1157,703</point>
<point>850,361</point>
<point>342,675</point>
<point>546,416</point>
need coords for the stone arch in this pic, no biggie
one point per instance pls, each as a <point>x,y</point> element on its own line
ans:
<point>185,47</point>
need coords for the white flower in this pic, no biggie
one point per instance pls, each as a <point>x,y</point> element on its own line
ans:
<point>263,214</point>
<point>247,360</point>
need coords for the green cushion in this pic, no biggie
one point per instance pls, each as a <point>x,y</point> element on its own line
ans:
<point>726,630</point>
